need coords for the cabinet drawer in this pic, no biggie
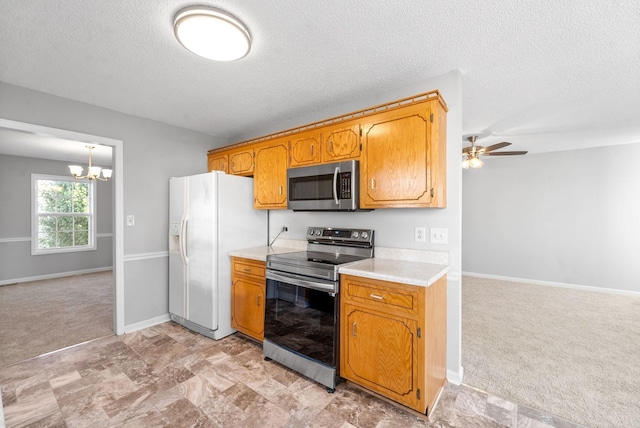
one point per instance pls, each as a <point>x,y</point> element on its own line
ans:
<point>248,267</point>
<point>383,296</point>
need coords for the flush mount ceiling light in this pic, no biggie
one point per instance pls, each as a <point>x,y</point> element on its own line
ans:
<point>93,173</point>
<point>212,33</point>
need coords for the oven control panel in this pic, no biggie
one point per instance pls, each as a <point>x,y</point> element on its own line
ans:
<point>340,235</point>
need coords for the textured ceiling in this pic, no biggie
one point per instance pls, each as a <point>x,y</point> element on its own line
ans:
<point>544,75</point>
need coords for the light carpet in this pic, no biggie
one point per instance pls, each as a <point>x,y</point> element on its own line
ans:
<point>43,316</point>
<point>568,352</point>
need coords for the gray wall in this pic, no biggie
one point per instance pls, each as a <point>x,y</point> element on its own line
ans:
<point>395,227</point>
<point>16,261</point>
<point>153,152</point>
<point>570,217</point>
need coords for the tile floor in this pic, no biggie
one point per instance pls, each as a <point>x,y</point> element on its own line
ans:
<point>168,376</point>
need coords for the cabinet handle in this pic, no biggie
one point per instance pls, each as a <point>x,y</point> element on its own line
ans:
<point>353,330</point>
<point>247,270</point>
<point>232,165</point>
<point>373,184</point>
<point>280,190</point>
<point>258,300</point>
<point>312,150</point>
<point>331,145</point>
<point>376,296</point>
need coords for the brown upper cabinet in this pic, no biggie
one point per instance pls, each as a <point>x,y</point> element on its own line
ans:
<point>304,149</point>
<point>241,162</point>
<point>401,147</point>
<point>270,175</point>
<point>341,142</point>
<point>403,158</point>
<point>217,162</point>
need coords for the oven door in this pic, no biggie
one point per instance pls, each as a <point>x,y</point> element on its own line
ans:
<point>301,316</point>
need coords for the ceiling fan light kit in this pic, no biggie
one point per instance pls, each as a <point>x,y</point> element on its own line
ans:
<point>472,153</point>
<point>212,33</point>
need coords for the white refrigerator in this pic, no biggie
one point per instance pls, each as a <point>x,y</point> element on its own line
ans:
<point>209,215</point>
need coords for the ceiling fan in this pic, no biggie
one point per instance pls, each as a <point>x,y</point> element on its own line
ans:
<point>472,153</point>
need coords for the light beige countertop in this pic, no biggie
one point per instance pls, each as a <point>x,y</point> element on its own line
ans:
<point>401,271</point>
<point>410,267</point>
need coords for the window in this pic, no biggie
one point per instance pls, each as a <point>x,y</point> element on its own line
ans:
<point>63,217</point>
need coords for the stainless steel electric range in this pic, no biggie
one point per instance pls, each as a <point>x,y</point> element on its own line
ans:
<point>302,303</point>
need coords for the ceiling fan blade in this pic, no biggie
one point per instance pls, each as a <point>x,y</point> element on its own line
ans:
<point>496,146</point>
<point>519,152</point>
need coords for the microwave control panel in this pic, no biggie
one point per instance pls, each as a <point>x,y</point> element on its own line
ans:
<point>345,185</point>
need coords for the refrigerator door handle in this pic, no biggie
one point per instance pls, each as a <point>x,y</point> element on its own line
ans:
<point>183,241</point>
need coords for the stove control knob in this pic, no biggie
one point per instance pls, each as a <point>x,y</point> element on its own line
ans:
<point>365,235</point>
<point>311,232</point>
<point>317,232</point>
<point>355,235</point>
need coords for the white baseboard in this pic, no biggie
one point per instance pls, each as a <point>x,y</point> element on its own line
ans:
<point>146,323</point>
<point>54,275</point>
<point>555,284</point>
<point>455,377</point>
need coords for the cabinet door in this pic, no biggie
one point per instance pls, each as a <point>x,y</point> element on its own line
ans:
<point>270,176</point>
<point>380,353</point>
<point>395,159</point>
<point>304,149</point>
<point>241,163</point>
<point>247,311</point>
<point>217,162</point>
<point>340,143</point>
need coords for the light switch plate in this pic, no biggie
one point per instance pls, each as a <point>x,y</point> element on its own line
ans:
<point>438,235</point>
<point>131,220</point>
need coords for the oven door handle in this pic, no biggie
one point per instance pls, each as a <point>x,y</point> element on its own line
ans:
<point>328,287</point>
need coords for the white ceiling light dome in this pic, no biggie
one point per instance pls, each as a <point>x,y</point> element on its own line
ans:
<point>212,33</point>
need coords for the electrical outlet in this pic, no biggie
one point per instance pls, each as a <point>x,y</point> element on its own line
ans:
<point>419,234</point>
<point>285,229</point>
<point>438,235</point>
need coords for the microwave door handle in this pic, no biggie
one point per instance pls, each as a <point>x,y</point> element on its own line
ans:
<point>335,185</point>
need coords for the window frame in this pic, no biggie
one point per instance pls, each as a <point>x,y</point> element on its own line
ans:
<point>92,245</point>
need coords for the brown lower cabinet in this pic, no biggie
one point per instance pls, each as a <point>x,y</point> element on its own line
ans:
<point>248,282</point>
<point>393,339</point>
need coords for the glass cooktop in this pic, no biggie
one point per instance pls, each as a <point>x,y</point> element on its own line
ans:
<point>332,259</point>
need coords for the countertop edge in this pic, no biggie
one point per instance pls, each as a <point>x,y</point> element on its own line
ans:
<point>430,272</point>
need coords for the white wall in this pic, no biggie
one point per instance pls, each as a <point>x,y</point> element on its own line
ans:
<point>569,217</point>
<point>394,227</point>
<point>16,262</point>
<point>153,152</point>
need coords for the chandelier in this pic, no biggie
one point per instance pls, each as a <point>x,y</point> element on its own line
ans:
<point>93,172</point>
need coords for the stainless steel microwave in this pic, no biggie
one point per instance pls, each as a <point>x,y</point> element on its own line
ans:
<point>326,187</point>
